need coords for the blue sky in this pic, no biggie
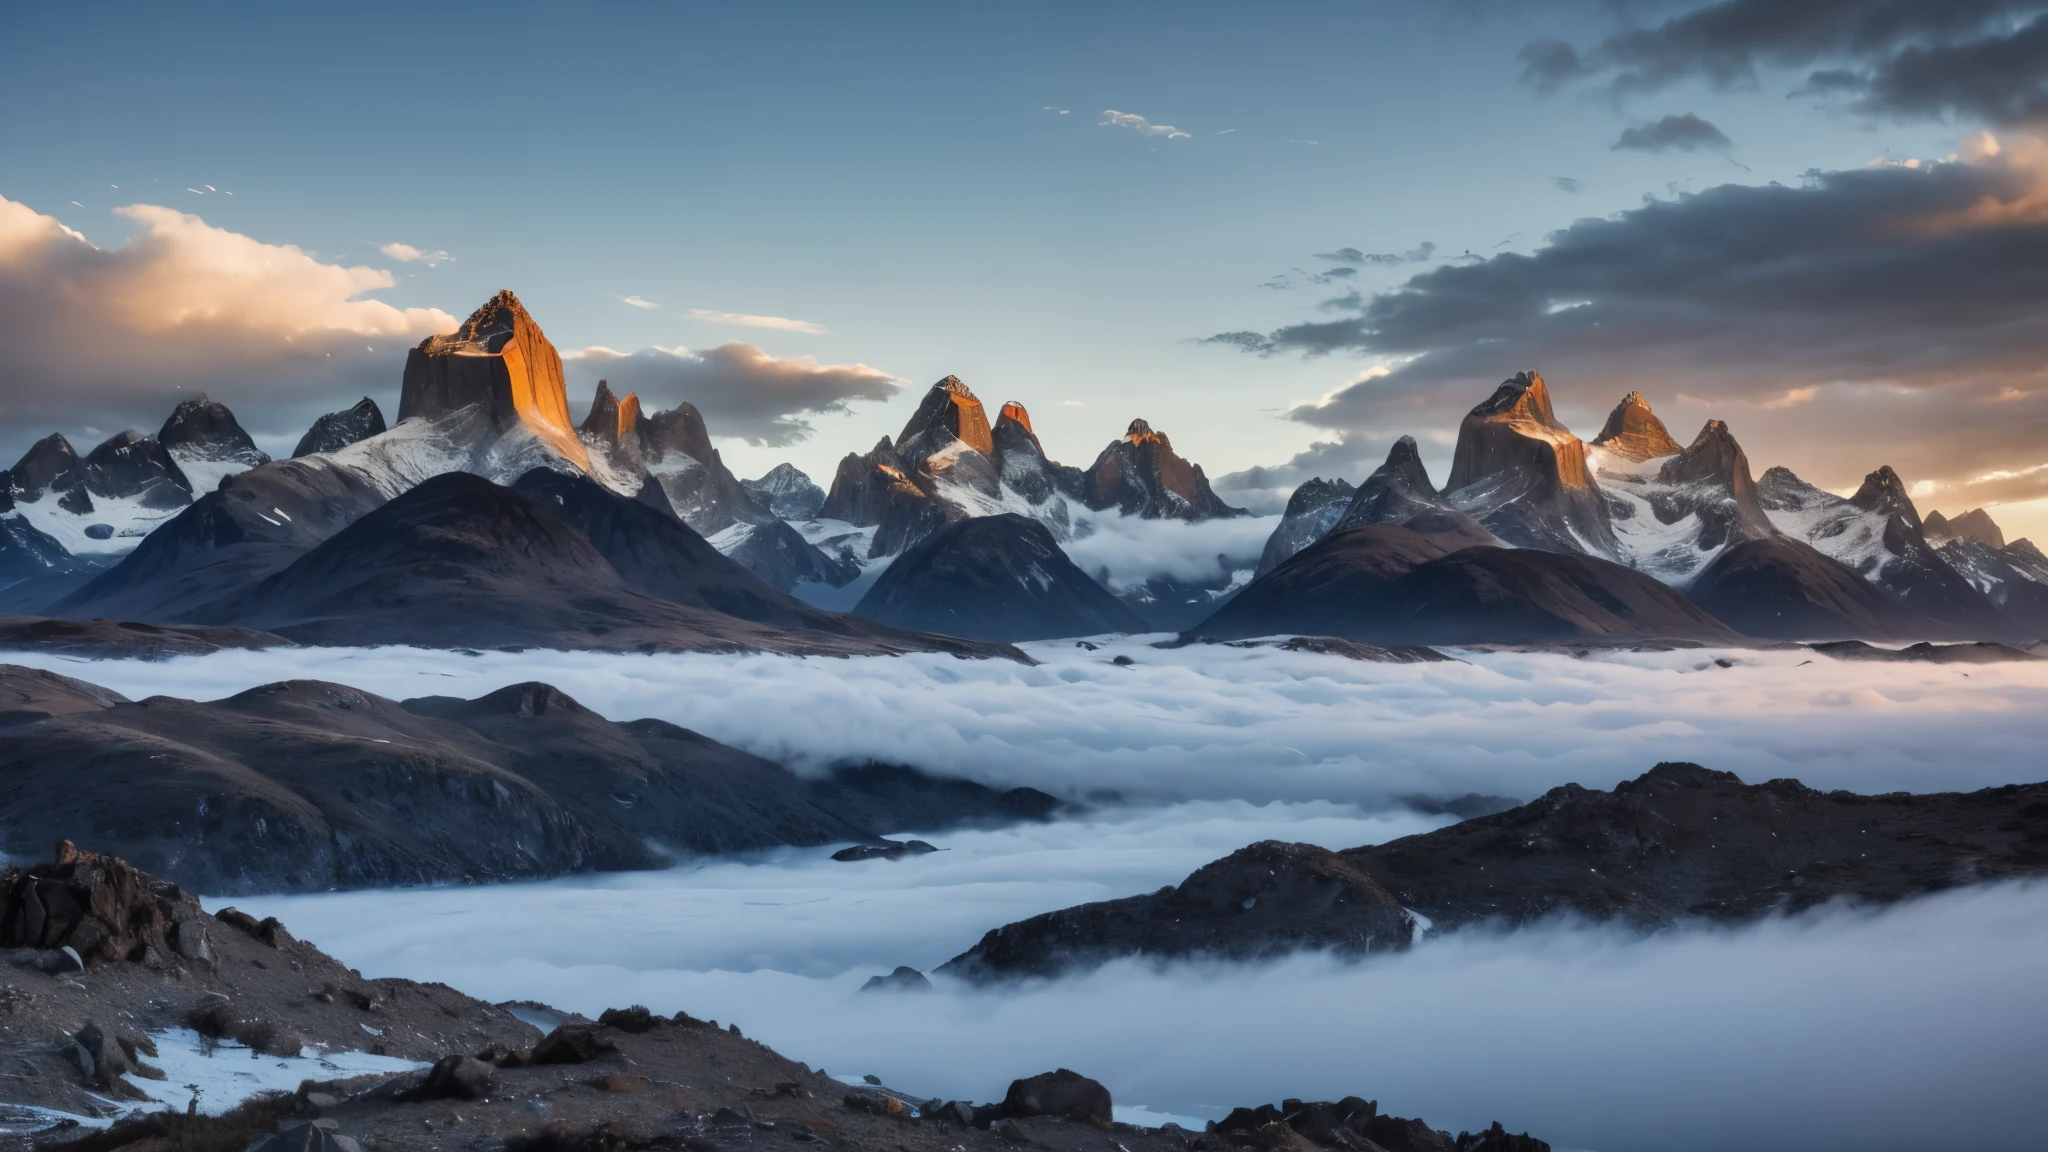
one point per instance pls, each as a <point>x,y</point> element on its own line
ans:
<point>902,176</point>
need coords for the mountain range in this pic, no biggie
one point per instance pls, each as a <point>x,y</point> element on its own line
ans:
<point>483,517</point>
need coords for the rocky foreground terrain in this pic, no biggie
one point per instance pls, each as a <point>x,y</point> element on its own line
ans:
<point>105,964</point>
<point>1678,843</point>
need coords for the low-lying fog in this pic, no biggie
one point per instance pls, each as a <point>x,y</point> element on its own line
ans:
<point>1915,1027</point>
<point>1216,722</point>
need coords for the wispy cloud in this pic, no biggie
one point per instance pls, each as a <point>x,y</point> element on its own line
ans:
<point>637,302</point>
<point>407,254</point>
<point>745,320</point>
<point>1568,183</point>
<point>1111,118</point>
<point>1791,398</point>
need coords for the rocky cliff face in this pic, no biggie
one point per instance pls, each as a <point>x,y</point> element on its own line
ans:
<point>131,466</point>
<point>1141,475</point>
<point>1312,511</point>
<point>949,412</point>
<point>1884,494</point>
<point>501,360</point>
<point>1634,433</point>
<point>1027,471</point>
<point>51,466</point>
<point>1976,524</point>
<point>338,430</point>
<point>1523,475</point>
<point>675,448</point>
<point>1398,489</point>
<point>783,559</point>
<point>207,441</point>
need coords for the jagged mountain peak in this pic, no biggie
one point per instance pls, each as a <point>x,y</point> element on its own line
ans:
<point>1633,431</point>
<point>49,464</point>
<point>614,421</point>
<point>949,411</point>
<point>1404,460</point>
<point>338,430</point>
<point>1713,456</point>
<point>129,464</point>
<point>498,359</point>
<point>1014,413</point>
<point>1521,396</point>
<point>1884,492</point>
<point>1140,432</point>
<point>681,429</point>
<point>1976,524</point>
<point>204,429</point>
<point>1525,476</point>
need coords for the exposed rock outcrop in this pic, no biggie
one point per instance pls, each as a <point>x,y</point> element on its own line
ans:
<point>675,447</point>
<point>1634,433</point>
<point>948,413</point>
<point>1976,524</point>
<point>1141,475</point>
<point>994,578</point>
<point>1676,843</point>
<point>1027,471</point>
<point>101,909</point>
<point>500,360</point>
<point>131,466</point>
<point>1398,489</point>
<point>1523,475</point>
<point>338,430</point>
<point>51,466</point>
<point>616,423</point>
<point>1884,494</point>
<point>208,443</point>
<point>1673,521</point>
<point>1312,510</point>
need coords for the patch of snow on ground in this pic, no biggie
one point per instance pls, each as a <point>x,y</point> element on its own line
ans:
<point>222,1074</point>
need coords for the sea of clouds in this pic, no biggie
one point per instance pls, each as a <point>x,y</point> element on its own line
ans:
<point>1912,1027</point>
<point>1909,1028</point>
<point>1220,722</point>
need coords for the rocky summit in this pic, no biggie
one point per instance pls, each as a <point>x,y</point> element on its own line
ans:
<point>1524,476</point>
<point>338,430</point>
<point>1634,433</point>
<point>1141,475</point>
<point>500,361</point>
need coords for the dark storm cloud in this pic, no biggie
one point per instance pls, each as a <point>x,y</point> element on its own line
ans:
<point>1985,59</point>
<point>1685,132</point>
<point>1901,311</point>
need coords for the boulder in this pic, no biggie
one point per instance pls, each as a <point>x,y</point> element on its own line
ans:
<point>457,1077</point>
<point>572,1044</point>
<point>1062,1093</point>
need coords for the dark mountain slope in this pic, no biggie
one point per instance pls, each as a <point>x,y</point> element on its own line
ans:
<point>1427,582</point>
<point>305,785</point>
<point>1677,842</point>
<point>994,578</point>
<point>1778,588</point>
<point>253,525</point>
<point>462,562</point>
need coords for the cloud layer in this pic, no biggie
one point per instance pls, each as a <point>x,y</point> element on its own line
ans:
<point>1789,1034</point>
<point>1911,301</point>
<point>1213,722</point>
<point>1985,60</point>
<point>743,391</point>
<point>88,332</point>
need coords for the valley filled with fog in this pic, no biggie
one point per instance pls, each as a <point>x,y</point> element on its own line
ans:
<point>1781,1033</point>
